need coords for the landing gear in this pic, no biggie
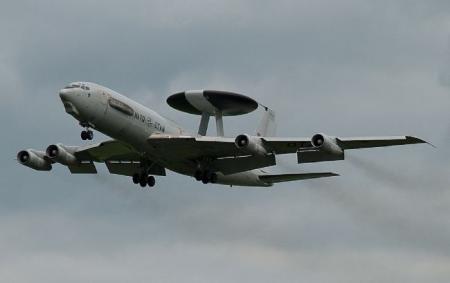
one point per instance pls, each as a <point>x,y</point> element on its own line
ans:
<point>205,176</point>
<point>151,181</point>
<point>198,175</point>
<point>144,180</point>
<point>136,179</point>
<point>87,135</point>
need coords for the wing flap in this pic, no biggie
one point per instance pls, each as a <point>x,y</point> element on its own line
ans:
<point>83,168</point>
<point>286,145</point>
<point>130,168</point>
<point>315,155</point>
<point>278,178</point>
<point>232,165</point>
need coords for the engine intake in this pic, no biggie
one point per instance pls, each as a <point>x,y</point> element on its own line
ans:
<point>34,159</point>
<point>250,144</point>
<point>62,154</point>
<point>327,144</point>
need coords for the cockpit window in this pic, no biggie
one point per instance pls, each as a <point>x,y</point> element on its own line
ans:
<point>72,86</point>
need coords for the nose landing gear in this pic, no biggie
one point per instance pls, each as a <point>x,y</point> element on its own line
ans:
<point>86,134</point>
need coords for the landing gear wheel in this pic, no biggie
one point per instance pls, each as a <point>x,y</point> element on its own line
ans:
<point>198,175</point>
<point>136,178</point>
<point>84,135</point>
<point>143,180</point>
<point>151,181</point>
<point>206,178</point>
<point>90,135</point>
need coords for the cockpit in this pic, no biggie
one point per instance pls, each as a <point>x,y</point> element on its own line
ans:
<point>77,85</point>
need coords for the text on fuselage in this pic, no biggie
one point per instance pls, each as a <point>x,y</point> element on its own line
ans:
<point>149,122</point>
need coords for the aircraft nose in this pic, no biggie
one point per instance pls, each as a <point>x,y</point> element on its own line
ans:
<point>64,93</point>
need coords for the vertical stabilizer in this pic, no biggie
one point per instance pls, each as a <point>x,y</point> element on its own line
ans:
<point>267,126</point>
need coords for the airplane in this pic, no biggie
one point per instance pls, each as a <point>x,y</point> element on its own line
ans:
<point>144,144</point>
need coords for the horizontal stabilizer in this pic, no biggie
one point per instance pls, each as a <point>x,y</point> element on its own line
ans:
<point>278,178</point>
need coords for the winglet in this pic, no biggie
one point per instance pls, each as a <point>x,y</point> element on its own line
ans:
<point>413,140</point>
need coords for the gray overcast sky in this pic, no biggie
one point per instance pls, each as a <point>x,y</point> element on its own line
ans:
<point>348,68</point>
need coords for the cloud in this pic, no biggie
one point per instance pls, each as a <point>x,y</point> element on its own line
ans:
<point>348,68</point>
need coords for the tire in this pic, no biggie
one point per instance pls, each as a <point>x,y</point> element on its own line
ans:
<point>90,135</point>
<point>208,176</point>
<point>198,175</point>
<point>136,178</point>
<point>205,177</point>
<point>84,135</point>
<point>143,179</point>
<point>151,181</point>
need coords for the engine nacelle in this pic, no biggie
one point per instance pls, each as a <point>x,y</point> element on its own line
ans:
<point>250,144</point>
<point>62,154</point>
<point>327,144</point>
<point>34,159</point>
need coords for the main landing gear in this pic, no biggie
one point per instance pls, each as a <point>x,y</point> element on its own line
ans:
<point>144,180</point>
<point>205,176</point>
<point>87,134</point>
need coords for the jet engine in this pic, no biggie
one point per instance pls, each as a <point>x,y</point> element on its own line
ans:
<point>34,159</point>
<point>62,154</point>
<point>326,144</point>
<point>251,144</point>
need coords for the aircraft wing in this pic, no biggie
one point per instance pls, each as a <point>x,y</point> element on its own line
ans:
<point>228,158</point>
<point>292,145</point>
<point>216,147</point>
<point>368,142</point>
<point>106,151</point>
<point>120,159</point>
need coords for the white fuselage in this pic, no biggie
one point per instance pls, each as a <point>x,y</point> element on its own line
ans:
<point>130,122</point>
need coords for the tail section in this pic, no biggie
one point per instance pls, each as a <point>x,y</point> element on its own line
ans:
<point>278,178</point>
<point>267,125</point>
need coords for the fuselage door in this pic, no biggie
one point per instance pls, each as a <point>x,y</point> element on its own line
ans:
<point>104,98</point>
